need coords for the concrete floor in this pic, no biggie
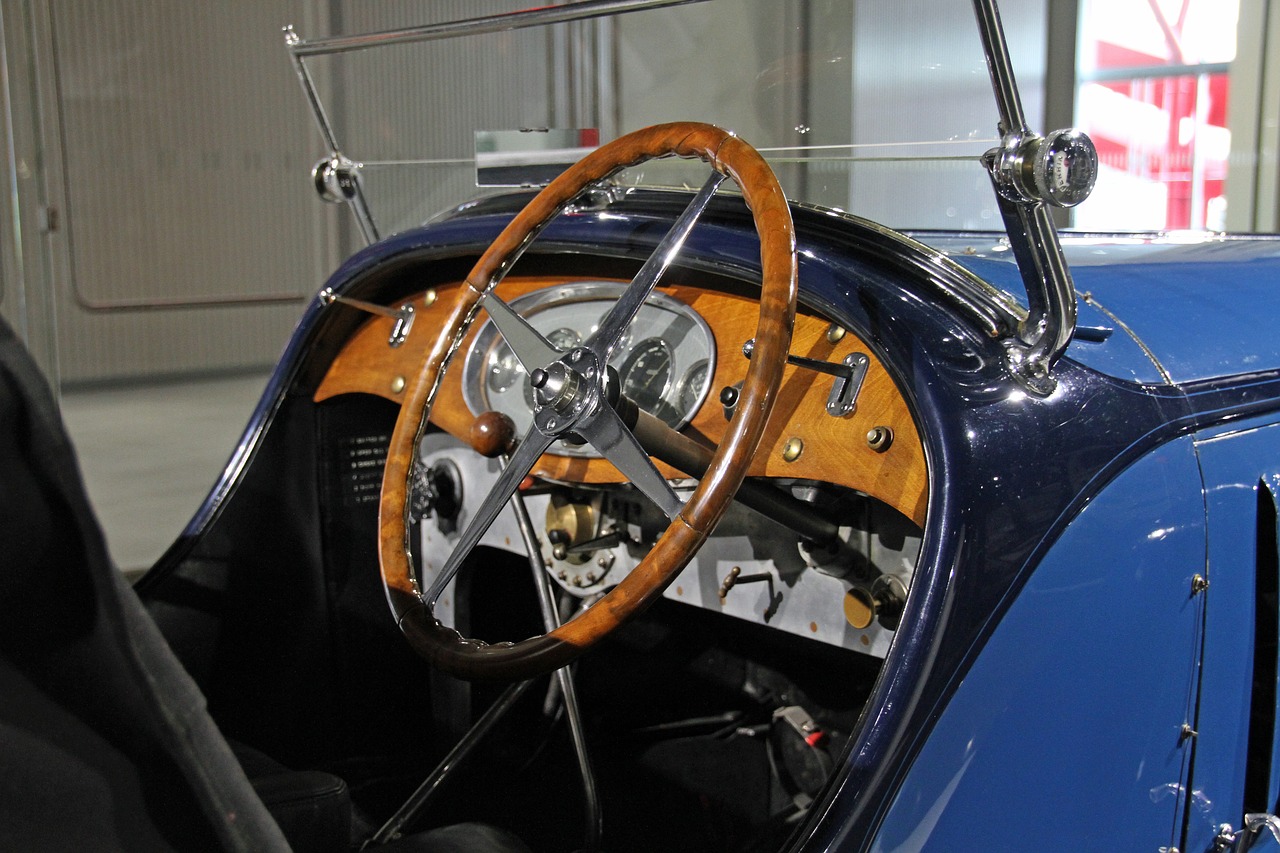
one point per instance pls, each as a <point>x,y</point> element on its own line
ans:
<point>150,453</point>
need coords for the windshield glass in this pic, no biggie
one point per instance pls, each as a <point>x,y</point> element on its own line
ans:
<point>874,108</point>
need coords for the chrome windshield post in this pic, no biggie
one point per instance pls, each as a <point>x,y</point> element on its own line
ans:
<point>337,177</point>
<point>1030,173</point>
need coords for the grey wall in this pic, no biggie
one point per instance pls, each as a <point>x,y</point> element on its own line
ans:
<point>174,153</point>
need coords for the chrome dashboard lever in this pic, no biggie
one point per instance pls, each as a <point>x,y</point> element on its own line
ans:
<point>849,373</point>
<point>402,315</point>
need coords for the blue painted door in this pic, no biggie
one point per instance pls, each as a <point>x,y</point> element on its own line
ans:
<point>1068,731</point>
<point>1235,768</point>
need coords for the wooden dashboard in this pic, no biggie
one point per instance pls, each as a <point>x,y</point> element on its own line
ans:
<point>802,441</point>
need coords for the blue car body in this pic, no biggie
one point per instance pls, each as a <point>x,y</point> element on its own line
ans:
<point>1064,636</point>
<point>1088,647</point>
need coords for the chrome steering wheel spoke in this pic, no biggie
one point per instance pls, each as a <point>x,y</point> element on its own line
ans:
<point>605,339</point>
<point>530,347</point>
<point>609,435</point>
<point>522,461</point>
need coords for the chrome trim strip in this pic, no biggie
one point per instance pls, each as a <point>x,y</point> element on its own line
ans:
<point>995,312</point>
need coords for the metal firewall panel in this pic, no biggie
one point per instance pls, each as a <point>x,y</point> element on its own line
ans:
<point>1235,461</point>
<point>1067,731</point>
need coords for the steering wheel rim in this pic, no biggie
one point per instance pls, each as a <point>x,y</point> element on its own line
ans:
<point>444,647</point>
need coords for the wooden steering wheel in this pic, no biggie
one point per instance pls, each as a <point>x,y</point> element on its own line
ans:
<point>572,395</point>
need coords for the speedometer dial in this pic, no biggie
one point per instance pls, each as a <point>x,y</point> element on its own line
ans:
<point>665,373</point>
<point>694,386</point>
<point>646,373</point>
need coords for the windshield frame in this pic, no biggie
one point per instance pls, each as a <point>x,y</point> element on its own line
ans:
<point>1022,166</point>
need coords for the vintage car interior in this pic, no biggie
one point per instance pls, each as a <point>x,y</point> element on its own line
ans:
<point>649,503</point>
<point>712,719</point>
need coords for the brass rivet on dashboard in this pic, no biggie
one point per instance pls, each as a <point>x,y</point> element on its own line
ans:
<point>397,385</point>
<point>835,333</point>
<point>879,438</point>
<point>792,449</point>
<point>429,298</point>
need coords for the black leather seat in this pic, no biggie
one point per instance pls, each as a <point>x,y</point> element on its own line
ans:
<point>105,742</point>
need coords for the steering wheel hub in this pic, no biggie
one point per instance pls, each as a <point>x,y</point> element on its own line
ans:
<point>563,388</point>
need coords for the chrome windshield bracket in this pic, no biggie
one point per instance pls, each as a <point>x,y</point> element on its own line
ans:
<point>1030,173</point>
<point>336,177</point>
<point>343,173</point>
<point>403,315</point>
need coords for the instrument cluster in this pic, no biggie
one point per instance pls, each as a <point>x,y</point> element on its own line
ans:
<point>664,361</point>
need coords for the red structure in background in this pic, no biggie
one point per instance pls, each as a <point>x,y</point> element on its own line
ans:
<point>1168,124</point>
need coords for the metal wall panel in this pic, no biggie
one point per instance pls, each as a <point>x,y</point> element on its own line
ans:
<point>189,231</point>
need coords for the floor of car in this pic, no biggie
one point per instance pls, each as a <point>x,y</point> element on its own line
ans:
<point>689,753</point>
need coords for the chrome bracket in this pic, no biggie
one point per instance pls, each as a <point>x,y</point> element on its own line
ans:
<point>403,315</point>
<point>1231,840</point>
<point>1030,173</point>
<point>843,399</point>
<point>336,178</point>
<point>849,373</point>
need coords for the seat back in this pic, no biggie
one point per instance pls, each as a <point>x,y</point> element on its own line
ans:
<point>105,742</point>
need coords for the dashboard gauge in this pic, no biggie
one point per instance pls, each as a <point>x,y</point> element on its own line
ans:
<point>694,387</point>
<point>504,369</point>
<point>666,373</point>
<point>564,339</point>
<point>646,373</point>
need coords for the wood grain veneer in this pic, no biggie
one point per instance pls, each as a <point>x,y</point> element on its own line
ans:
<point>834,449</point>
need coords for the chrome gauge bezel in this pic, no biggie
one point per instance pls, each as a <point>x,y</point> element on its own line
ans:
<point>475,367</point>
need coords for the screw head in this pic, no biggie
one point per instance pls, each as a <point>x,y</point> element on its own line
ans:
<point>792,449</point>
